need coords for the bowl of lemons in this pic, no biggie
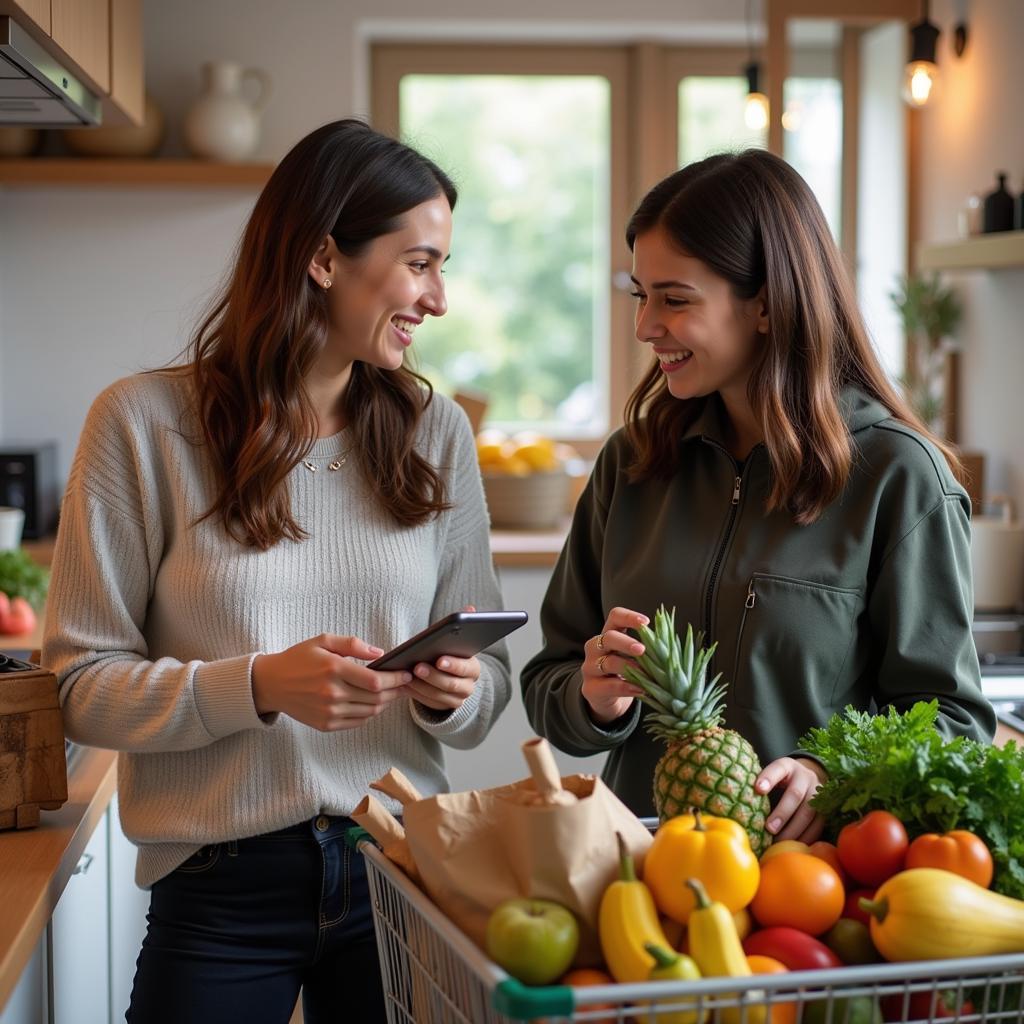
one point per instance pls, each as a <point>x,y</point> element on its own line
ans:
<point>525,479</point>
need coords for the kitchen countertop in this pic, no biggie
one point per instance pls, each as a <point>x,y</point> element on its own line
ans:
<point>36,863</point>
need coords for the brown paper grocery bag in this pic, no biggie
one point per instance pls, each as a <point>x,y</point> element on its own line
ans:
<point>543,837</point>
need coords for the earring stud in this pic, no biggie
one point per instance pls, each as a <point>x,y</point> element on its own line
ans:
<point>327,282</point>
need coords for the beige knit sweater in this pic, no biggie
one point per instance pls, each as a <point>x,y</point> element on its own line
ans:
<point>153,623</point>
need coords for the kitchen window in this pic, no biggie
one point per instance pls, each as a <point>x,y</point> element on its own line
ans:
<point>551,147</point>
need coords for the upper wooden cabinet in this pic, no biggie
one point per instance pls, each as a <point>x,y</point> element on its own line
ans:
<point>81,28</point>
<point>100,40</point>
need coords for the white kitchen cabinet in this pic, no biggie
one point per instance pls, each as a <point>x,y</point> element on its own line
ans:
<point>28,1001</point>
<point>80,940</point>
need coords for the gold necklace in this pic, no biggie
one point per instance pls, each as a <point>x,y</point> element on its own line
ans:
<point>333,466</point>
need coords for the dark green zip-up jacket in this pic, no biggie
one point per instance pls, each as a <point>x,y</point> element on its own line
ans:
<point>870,604</point>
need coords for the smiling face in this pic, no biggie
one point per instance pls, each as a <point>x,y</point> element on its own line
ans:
<point>377,299</point>
<point>704,338</point>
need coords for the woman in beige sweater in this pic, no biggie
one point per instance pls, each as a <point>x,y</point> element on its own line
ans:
<point>240,534</point>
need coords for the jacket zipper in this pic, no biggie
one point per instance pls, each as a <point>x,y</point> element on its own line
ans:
<point>747,606</point>
<point>734,505</point>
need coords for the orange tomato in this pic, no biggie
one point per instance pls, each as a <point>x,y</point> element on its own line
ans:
<point>781,1013</point>
<point>800,891</point>
<point>582,977</point>
<point>958,851</point>
<point>830,855</point>
<point>784,846</point>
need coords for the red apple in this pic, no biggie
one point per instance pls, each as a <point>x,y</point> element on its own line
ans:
<point>534,940</point>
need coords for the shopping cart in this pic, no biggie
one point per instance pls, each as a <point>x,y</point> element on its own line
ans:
<point>433,974</point>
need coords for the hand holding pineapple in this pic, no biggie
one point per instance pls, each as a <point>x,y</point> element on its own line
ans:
<point>607,654</point>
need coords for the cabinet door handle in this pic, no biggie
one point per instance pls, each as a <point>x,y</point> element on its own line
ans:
<point>83,864</point>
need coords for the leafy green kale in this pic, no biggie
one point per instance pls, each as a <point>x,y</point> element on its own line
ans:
<point>21,577</point>
<point>900,763</point>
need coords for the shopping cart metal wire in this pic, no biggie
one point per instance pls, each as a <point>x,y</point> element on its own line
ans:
<point>433,974</point>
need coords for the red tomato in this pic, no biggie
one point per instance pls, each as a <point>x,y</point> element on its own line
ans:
<point>852,907</point>
<point>958,851</point>
<point>792,947</point>
<point>873,848</point>
<point>19,619</point>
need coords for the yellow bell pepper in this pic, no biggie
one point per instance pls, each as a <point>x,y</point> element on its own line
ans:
<point>714,850</point>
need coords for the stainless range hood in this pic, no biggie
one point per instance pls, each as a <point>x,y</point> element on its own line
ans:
<point>35,89</point>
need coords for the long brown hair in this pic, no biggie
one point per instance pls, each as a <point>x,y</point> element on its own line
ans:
<point>250,356</point>
<point>753,220</point>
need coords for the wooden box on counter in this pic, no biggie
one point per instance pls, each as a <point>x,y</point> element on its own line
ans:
<point>33,767</point>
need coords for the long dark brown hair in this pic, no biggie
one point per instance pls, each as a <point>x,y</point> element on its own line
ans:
<point>250,356</point>
<point>753,220</point>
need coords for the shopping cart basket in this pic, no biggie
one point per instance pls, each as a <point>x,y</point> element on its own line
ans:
<point>433,974</point>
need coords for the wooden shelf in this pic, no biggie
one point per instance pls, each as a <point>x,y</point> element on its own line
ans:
<point>133,173</point>
<point>983,252</point>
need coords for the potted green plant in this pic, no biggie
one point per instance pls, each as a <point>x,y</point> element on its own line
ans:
<point>931,313</point>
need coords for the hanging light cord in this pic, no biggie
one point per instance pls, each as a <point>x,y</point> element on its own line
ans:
<point>750,29</point>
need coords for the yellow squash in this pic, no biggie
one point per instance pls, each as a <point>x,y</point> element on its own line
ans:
<point>715,946</point>
<point>714,850</point>
<point>931,914</point>
<point>626,920</point>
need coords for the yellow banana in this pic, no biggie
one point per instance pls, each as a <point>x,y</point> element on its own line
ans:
<point>626,920</point>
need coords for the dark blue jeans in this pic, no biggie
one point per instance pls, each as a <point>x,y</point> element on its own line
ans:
<point>240,927</point>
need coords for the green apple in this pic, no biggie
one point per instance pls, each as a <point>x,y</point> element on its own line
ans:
<point>534,940</point>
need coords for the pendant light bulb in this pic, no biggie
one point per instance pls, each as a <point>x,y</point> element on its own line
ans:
<point>922,74</point>
<point>755,111</point>
<point>919,82</point>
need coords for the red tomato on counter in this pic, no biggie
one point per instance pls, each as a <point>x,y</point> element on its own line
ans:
<point>16,616</point>
<point>873,848</point>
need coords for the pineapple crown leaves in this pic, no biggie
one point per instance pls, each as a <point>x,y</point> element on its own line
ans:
<point>672,676</point>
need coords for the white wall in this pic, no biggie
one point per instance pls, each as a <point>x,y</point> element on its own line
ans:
<point>881,188</point>
<point>973,131</point>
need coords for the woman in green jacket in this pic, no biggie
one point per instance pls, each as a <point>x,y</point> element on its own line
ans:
<point>769,483</point>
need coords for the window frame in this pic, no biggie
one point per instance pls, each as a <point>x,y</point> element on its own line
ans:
<point>643,133</point>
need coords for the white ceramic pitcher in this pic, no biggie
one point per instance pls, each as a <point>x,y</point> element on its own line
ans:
<point>223,124</point>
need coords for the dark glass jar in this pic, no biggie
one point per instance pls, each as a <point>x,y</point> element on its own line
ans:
<point>998,215</point>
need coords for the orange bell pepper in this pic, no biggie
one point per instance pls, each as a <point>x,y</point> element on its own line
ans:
<point>714,850</point>
<point>958,851</point>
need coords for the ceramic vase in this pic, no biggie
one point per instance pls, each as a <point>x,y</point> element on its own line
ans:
<point>999,208</point>
<point>223,124</point>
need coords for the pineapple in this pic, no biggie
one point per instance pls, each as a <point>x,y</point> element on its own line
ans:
<point>705,767</point>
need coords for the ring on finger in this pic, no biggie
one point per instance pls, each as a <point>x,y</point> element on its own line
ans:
<point>600,664</point>
<point>600,642</point>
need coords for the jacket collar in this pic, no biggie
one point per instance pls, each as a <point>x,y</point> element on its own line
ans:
<point>859,410</point>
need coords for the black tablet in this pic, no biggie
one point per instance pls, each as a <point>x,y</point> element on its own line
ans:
<point>461,635</point>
